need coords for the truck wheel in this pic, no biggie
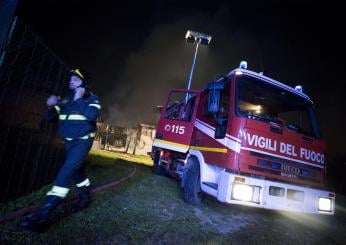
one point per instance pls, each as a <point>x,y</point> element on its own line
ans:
<point>157,168</point>
<point>192,185</point>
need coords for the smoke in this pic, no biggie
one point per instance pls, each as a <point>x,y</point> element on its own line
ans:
<point>164,63</point>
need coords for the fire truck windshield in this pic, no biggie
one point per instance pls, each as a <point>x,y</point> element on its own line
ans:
<point>262,101</point>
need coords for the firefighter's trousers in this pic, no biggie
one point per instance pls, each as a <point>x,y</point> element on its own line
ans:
<point>76,152</point>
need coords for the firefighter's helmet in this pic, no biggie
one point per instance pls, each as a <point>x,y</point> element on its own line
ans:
<point>82,74</point>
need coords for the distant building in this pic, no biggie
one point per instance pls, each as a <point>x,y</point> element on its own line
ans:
<point>136,140</point>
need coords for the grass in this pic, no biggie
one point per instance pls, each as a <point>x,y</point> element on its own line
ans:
<point>140,159</point>
<point>101,167</point>
<point>148,209</point>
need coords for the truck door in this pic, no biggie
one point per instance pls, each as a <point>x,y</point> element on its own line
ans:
<point>175,127</point>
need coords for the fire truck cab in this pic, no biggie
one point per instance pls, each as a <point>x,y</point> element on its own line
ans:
<point>245,139</point>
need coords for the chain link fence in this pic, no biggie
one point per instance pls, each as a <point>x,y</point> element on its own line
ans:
<point>30,152</point>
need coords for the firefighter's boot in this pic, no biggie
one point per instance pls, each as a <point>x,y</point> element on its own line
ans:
<point>84,199</point>
<point>41,218</point>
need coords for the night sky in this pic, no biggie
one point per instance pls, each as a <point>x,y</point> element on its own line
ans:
<point>136,50</point>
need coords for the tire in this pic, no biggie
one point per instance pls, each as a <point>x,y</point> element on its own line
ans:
<point>192,185</point>
<point>157,168</point>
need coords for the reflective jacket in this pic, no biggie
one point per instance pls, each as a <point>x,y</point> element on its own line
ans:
<point>77,119</point>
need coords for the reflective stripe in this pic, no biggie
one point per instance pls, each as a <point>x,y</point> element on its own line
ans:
<point>58,191</point>
<point>57,108</point>
<point>212,149</point>
<point>96,105</point>
<point>171,145</point>
<point>88,136</point>
<point>79,73</point>
<point>76,117</point>
<point>91,135</point>
<point>72,117</point>
<point>86,182</point>
<point>180,147</point>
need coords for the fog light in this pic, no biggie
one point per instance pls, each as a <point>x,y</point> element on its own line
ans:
<point>295,195</point>
<point>276,191</point>
<point>325,204</point>
<point>242,192</point>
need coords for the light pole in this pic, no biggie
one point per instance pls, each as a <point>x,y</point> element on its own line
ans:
<point>196,38</point>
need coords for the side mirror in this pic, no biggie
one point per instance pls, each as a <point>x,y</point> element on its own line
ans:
<point>214,101</point>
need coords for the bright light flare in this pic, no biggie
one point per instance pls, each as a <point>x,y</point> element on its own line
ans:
<point>325,204</point>
<point>242,192</point>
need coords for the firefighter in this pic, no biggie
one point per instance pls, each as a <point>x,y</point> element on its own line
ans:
<point>76,117</point>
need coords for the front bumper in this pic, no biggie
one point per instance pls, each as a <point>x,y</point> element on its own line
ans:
<point>243,190</point>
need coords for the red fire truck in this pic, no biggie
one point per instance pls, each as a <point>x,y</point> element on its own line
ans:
<point>245,139</point>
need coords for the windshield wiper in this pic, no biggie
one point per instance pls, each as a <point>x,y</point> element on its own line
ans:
<point>293,127</point>
<point>265,118</point>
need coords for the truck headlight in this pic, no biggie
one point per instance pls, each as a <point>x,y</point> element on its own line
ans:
<point>325,204</point>
<point>242,192</point>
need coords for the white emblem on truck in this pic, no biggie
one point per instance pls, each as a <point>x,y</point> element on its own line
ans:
<point>176,129</point>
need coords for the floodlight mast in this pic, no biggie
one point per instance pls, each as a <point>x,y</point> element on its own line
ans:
<point>193,64</point>
<point>196,38</point>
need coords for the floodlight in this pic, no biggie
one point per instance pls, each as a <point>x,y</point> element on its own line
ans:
<point>194,36</point>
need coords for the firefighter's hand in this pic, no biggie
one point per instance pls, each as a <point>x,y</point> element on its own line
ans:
<point>52,100</point>
<point>78,93</point>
